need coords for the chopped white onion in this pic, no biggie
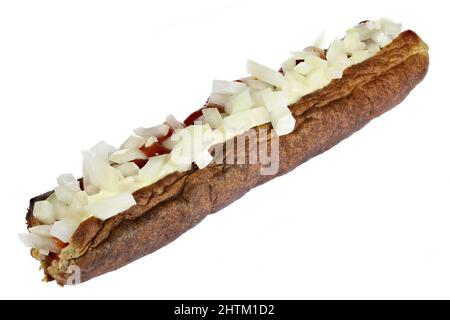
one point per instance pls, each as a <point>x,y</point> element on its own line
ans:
<point>289,64</point>
<point>68,180</point>
<point>44,212</point>
<point>217,98</point>
<point>303,68</point>
<point>151,140</point>
<point>301,55</point>
<point>110,206</point>
<point>133,142</point>
<point>65,194</point>
<point>82,197</point>
<point>212,117</point>
<point>295,87</point>
<point>157,131</point>
<point>225,87</point>
<point>319,42</point>
<point>203,159</point>
<point>353,43</point>
<point>41,230</point>
<point>100,173</point>
<point>102,150</point>
<point>317,79</point>
<point>337,55</point>
<point>381,38</point>
<point>284,124</point>
<point>274,100</point>
<point>38,242</point>
<point>240,102</point>
<point>240,122</point>
<point>265,74</point>
<point>65,228</point>
<point>372,46</point>
<point>362,30</point>
<point>390,28</point>
<point>128,169</point>
<point>316,62</point>
<point>126,155</point>
<point>172,122</point>
<point>150,172</point>
<point>258,84</point>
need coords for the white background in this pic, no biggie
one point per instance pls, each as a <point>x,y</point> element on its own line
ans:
<point>368,219</point>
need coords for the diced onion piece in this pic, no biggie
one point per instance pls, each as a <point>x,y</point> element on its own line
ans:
<point>172,141</point>
<point>284,124</point>
<point>82,197</point>
<point>65,194</point>
<point>301,55</point>
<point>319,42</point>
<point>157,131</point>
<point>258,84</point>
<point>212,117</point>
<point>133,142</point>
<point>65,228</point>
<point>390,28</point>
<point>373,25</point>
<point>100,173</point>
<point>108,207</point>
<point>151,140</point>
<point>363,31</point>
<point>337,55</point>
<point>179,160</point>
<point>193,140</point>
<point>240,102</point>
<point>372,46</point>
<point>317,79</point>
<point>257,116</point>
<point>126,155</point>
<point>42,230</point>
<point>128,169</point>
<point>62,210</point>
<point>68,180</point>
<point>265,74</point>
<point>44,212</point>
<point>203,159</point>
<point>316,62</point>
<point>257,95</point>
<point>172,122</point>
<point>102,150</point>
<point>303,68</point>
<point>238,123</point>
<point>381,39</point>
<point>149,173</point>
<point>353,43</point>
<point>274,100</point>
<point>38,242</point>
<point>289,64</point>
<point>217,98</point>
<point>225,87</point>
<point>295,87</point>
<point>313,50</point>
<point>359,56</point>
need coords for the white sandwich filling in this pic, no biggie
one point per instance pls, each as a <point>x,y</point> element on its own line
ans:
<point>110,175</point>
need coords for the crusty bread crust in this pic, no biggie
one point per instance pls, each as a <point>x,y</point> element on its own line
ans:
<point>180,201</point>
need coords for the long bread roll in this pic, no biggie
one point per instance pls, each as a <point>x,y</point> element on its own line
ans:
<point>168,208</point>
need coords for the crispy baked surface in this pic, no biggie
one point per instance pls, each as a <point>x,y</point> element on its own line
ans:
<point>170,207</point>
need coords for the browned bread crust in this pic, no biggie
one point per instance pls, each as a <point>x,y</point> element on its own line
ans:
<point>178,202</point>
